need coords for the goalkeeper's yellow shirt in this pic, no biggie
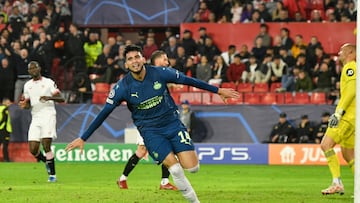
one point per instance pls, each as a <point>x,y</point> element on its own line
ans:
<point>347,92</point>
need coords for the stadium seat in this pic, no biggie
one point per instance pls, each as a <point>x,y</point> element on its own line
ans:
<point>252,98</point>
<point>244,87</point>
<point>100,93</point>
<point>274,86</point>
<point>216,99</point>
<point>228,85</point>
<point>288,98</point>
<point>318,98</point>
<point>261,87</point>
<point>236,101</point>
<point>192,97</point>
<point>206,98</point>
<point>179,88</point>
<point>269,98</point>
<point>195,89</point>
<point>301,98</point>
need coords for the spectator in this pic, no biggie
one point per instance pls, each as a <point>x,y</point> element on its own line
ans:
<point>305,130</point>
<point>295,49</point>
<point>202,35</point>
<point>204,12</point>
<point>119,65</point>
<point>168,33</point>
<point>189,43</point>
<point>6,79</point>
<point>244,53</point>
<point>22,76</point>
<point>277,10</point>
<point>310,49</point>
<point>286,40</point>
<point>322,79</point>
<point>44,52</point>
<point>299,18</point>
<point>141,39</point>
<point>247,12</point>
<point>264,34</point>
<point>5,128</point>
<point>258,50</point>
<point>93,48</point>
<point>264,13</point>
<point>283,17</point>
<point>278,44</point>
<point>283,131</point>
<point>228,56</point>
<point>286,57</point>
<point>352,10</point>
<point>236,11</point>
<point>248,76</point>
<point>288,80</point>
<point>302,63</point>
<point>263,74</point>
<point>319,131</point>
<point>316,17</point>
<point>340,9</point>
<point>149,48</point>
<point>225,10</point>
<point>255,18</point>
<point>235,70</point>
<point>81,89</point>
<point>100,63</point>
<point>203,69</point>
<point>218,71</point>
<point>210,50</point>
<point>190,67</point>
<point>304,82</point>
<point>180,59</point>
<point>172,48</point>
<point>17,22</point>
<point>278,69</point>
<point>114,47</point>
<point>187,116</point>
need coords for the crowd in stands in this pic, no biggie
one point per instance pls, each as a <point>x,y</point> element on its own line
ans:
<point>43,31</point>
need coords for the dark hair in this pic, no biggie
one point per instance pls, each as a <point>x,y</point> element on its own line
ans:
<point>156,54</point>
<point>130,48</point>
<point>35,63</point>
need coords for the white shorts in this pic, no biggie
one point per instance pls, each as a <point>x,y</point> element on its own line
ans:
<point>139,140</point>
<point>42,127</point>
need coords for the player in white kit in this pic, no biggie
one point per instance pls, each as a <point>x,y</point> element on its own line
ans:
<point>40,93</point>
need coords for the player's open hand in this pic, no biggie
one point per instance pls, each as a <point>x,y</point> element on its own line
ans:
<point>77,143</point>
<point>228,93</point>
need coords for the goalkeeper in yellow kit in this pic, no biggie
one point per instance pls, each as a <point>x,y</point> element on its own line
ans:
<point>341,128</point>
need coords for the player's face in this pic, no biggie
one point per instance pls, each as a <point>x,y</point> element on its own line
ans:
<point>34,71</point>
<point>135,62</point>
<point>162,61</point>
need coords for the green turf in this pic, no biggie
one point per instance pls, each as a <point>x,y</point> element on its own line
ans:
<point>95,182</point>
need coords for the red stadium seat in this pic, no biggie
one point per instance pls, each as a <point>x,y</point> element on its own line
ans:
<point>318,98</point>
<point>269,98</point>
<point>100,93</point>
<point>195,89</point>
<point>236,101</point>
<point>192,97</point>
<point>176,97</point>
<point>228,85</point>
<point>206,98</point>
<point>301,98</point>
<point>244,87</point>
<point>216,99</point>
<point>179,88</point>
<point>288,98</point>
<point>251,98</point>
<point>274,86</point>
<point>261,87</point>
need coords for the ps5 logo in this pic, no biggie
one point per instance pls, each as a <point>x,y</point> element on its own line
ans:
<point>222,153</point>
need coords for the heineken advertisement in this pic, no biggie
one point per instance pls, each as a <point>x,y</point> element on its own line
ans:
<point>97,153</point>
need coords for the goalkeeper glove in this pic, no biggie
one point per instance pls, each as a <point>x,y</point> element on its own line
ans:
<point>335,118</point>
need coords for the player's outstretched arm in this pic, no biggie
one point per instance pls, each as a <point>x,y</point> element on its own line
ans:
<point>228,93</point>
<point>77,143</point>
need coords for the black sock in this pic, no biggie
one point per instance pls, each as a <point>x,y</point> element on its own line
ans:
<point>131,164</point>
<point>41,157</point>
<point>51,164</point>
<point>165,171</point>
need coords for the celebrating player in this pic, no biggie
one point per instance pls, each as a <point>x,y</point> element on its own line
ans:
<point>156,116</point>
<point>40,94</point>
<point>158,58</point>
<point>341,129</point>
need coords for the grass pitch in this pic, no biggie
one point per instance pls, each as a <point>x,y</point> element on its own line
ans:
<point>95,182</point>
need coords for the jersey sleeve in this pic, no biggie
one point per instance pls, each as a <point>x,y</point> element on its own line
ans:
<point>115,97</point>
<point>53,88</point>
<point>349,84</point>
<point>174,76</point>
